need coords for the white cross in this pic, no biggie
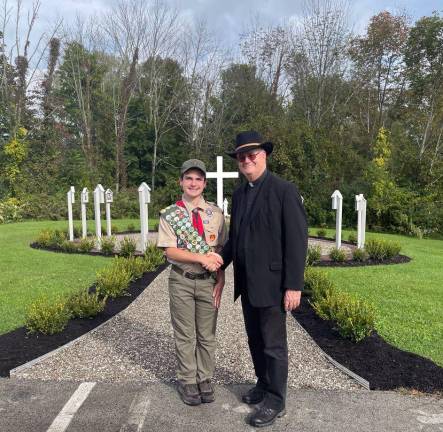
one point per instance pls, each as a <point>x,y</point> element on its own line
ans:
<point>220,175</point>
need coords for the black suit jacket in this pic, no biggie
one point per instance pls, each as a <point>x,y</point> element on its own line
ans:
<point>276,242</point>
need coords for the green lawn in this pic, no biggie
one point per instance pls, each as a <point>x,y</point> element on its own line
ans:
<point>408,297</point>
<point>26,274</point>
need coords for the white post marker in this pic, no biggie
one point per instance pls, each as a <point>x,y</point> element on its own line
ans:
<point>109,198</point>
<point>220,175</point>
<point>71,200</point>
<point>360,207</point>
<point>144,197</point>
<point>225,207</point>
<point>337,204</point>
<point>84,201</point>
<point>99,198</point>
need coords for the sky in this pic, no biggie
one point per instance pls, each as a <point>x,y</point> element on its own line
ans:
<point>229,18</point>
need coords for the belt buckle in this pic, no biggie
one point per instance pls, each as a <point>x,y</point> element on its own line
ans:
<point>190,276</point>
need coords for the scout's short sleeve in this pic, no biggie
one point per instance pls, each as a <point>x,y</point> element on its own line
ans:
<point>166,236</point>
<point>223,232</point>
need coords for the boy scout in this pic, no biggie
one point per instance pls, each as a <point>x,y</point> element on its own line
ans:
<point>189,231</point>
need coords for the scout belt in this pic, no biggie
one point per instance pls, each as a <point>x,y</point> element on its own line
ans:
<point>192,276</point>
<point>187,236</point>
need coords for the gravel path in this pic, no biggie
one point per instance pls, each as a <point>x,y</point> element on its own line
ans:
<point>137,345</point>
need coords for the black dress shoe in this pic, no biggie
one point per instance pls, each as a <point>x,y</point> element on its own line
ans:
<point>265,416</point>
<point>254,396</point>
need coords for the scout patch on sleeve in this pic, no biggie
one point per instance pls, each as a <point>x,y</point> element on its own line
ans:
<point>187,236</point>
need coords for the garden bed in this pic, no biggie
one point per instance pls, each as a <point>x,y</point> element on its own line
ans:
<point>327,262</point>
<point>19,347</point>
<point>383,365</point>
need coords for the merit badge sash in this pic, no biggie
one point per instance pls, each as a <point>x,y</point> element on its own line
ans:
<point>187,235</point>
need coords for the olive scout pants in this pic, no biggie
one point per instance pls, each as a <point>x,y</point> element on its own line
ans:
<point>194,320</point>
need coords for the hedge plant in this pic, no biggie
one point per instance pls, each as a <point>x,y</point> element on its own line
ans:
<point>127,247</point>
<point>354,318</point>
<point>337,255</point>
<point>85,305</point>
<point>47,316</point>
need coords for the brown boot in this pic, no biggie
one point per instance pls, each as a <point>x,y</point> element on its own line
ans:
<point>189,394</point>
<point>206,391</point>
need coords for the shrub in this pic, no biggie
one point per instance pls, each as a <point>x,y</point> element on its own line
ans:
<point>337,255</point>
<point>131,227</point>
<point>392,249</point>
<point>112,281</point>
<point>317,283</point>
<point>359,255</point>
<point>11,210</point>
<point>77,231</point>
<point>115,229</point>
<point>44,238</point>
<point>69,247</point>
<point>321,232</point>
<point>135,266</point>
<point>378,249</point>
<point>127,247</point>
<point>352,238</point>
<point>107,245</point>
<point>86,244</point>
<point>154,255</point>
<point>355,319</point>
<point>375,249</point>
<point>85,305</point>
<point>47,317</point>
<point>313,255</point>
<point>57,239</point>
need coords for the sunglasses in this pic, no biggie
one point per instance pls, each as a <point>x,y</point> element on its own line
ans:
<point>241,157</point>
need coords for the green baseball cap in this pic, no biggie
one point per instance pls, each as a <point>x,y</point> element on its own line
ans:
<point>193,164</point>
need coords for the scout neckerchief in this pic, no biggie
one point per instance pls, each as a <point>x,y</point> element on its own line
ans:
<point>187,236</point>
<point>196,219</point>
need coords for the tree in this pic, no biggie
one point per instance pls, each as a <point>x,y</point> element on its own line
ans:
<point>79,83</point>
<point>317,62</point>
<point>269,51</point>
<point>424,70</point>
<point>387,203</point>
<point>379,68</point>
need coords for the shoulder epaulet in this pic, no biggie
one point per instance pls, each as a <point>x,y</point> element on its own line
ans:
<point>214,207</point>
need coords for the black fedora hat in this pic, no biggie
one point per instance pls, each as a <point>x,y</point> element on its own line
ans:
<point>250,140</point>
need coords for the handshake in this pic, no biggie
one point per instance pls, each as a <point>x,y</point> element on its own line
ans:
<point>211,261</point>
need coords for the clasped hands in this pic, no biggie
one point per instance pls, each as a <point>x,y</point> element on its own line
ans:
<point>212,261</point>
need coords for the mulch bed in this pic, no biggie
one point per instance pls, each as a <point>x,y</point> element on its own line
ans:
<point>383,365</point>
<point>327,262</point>
<point>92,252</point>
<point>18,347</point>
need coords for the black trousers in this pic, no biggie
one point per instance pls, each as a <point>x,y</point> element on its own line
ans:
<point>266,330</point>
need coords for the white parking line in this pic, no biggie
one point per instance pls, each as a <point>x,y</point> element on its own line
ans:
<point>61,422</point>
<point>137,413</point>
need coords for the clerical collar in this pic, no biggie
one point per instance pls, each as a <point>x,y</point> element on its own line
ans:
<point>258,181</point>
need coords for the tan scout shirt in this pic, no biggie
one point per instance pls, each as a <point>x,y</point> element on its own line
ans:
<point>213,226</point>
